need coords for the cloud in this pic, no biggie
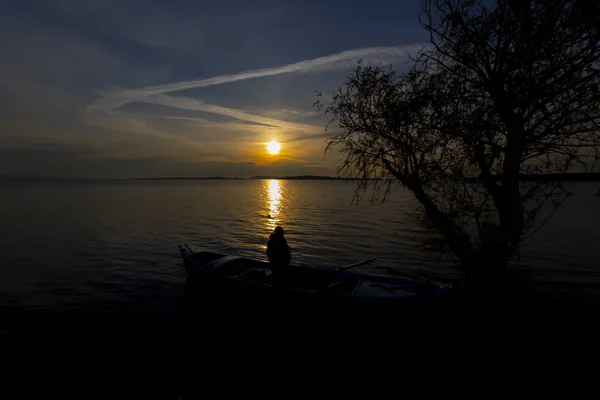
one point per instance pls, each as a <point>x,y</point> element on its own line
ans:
<point>322,135</point>
<point>187,103</point>
<point>118,97</point>
<point>200,121</point>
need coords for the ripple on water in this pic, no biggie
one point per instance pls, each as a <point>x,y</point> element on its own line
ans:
<point>116,243</point>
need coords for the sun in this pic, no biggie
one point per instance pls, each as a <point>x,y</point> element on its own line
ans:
<point>273,147</point>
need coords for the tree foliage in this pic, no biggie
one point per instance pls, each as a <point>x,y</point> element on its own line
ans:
<point>503,90</point>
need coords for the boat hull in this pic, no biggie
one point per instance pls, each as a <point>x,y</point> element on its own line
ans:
<point>211,291</point>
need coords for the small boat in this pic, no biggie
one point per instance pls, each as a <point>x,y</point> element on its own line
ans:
<point>234,275</point>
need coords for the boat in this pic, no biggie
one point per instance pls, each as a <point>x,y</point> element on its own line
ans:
<point>231,275</point>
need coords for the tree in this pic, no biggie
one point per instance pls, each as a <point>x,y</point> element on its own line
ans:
<point>502,91</point>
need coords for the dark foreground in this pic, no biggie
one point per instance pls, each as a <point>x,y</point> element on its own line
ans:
<point>205,344</point>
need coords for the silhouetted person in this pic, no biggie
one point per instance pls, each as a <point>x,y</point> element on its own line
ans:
<point>278,251</point>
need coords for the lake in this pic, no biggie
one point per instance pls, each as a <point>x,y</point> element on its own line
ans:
<point>91,277</point>
<point>112,244</point>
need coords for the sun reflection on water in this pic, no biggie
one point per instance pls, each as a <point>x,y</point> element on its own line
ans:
<point>274,197</point>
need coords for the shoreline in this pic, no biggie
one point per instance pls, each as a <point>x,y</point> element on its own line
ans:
<point>569,177</point>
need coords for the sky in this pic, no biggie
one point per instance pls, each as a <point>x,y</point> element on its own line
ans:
<point>147,88</point>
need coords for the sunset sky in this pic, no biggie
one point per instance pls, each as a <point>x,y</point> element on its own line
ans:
<point>144,88</point>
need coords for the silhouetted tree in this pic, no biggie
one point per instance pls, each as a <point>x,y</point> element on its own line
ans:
<point>503,89</point>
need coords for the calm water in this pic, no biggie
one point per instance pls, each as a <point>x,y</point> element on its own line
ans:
<point>113,244</point>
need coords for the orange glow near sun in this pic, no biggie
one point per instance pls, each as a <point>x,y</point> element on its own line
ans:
<point>273,147</point>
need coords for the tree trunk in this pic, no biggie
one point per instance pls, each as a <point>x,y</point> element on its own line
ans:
<point>487,275</point>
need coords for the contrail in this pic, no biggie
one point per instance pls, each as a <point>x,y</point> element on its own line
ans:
<point>186,103</point>
<point>115,98</point>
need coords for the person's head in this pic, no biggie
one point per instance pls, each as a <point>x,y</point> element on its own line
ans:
<point>278,230</point>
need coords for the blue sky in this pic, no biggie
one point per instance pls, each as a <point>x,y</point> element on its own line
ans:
<point>189,88</point>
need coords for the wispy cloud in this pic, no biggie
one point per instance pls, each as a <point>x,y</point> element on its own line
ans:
<point>107,110</point>
<point>298,138</point>
<point>187,103</point>
<point>117,97</point>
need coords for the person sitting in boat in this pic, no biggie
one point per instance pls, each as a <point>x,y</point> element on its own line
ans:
<point>278,251</point>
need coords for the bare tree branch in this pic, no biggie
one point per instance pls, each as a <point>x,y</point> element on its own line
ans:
<point>505,89</point>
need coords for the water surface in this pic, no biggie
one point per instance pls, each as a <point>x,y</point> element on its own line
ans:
<point>112,245</point>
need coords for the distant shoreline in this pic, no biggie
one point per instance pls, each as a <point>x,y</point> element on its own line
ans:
<point>186,178</point>
<point>293,177</point>
<point>572,177</point>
